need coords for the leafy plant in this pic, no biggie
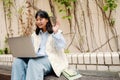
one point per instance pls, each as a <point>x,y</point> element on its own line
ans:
<point>6,50</point>
<point>68,7</point>
<point>66,51</point>
<point>110,5</point>
<point>7,4</point>
<point>1,51</point>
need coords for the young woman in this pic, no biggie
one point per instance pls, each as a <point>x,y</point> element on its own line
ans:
<point>49,44</point>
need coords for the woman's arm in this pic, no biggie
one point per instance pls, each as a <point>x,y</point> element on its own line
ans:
<point>59,40</point>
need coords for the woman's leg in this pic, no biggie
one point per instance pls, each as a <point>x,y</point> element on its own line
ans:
<point>38,68</point>
<point>19,69</point>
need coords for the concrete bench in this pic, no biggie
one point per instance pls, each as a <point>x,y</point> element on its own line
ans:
<point>100,61</point>
<point>5,74</point>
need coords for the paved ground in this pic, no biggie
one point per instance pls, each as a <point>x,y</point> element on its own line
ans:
<point>86,75</point>
<point>91,75</point>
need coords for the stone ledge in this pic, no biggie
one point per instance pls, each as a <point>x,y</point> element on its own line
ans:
<point>105,58</point>
<point>101,61</point>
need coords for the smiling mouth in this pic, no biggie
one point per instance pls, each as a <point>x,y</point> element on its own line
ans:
<point>40,24</point>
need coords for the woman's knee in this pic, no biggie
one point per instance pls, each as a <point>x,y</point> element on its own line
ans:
<point>18,62</point>
<point>31,62</point>
<point>34,65</point>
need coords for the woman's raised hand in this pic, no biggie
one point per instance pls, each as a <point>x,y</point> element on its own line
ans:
<point>56,27</point>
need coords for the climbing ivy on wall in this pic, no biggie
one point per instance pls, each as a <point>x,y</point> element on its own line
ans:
<point>68,4</point>
<point>107,7</point>
<point>110,5</point>
<point>80,17</point>
<point>7,4</point>
<point>7,10</point>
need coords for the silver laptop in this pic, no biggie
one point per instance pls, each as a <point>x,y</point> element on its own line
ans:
<point>22,46</point>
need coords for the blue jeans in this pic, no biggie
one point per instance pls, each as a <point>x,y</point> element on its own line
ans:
<point>30,69</point>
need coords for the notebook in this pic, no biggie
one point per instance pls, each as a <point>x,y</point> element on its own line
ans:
<point>71,74</point>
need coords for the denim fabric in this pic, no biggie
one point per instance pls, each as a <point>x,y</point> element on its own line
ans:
<point>32,69</point>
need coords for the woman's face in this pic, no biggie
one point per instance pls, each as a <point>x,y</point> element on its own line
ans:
<point>41,22</point>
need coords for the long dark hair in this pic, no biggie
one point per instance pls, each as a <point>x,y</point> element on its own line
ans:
<point>44,14</point>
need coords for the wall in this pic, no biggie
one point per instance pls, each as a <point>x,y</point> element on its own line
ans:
<point>91,34</point>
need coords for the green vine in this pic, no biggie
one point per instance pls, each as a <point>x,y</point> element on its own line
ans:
<point>68,7</point>
<point>1,51</point>
<point>110,5</point>
<point>67,10</point>
<point>7,5</point>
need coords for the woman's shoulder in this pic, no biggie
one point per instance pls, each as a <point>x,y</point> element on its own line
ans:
<point>33,34</point>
